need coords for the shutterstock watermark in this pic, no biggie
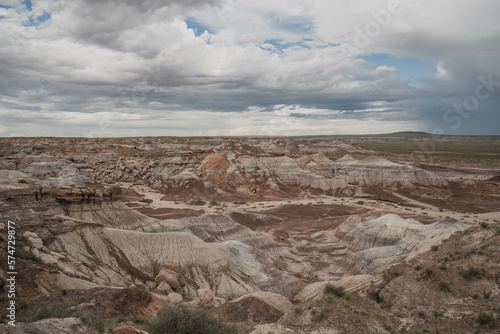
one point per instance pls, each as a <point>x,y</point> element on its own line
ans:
<point>364,36</point>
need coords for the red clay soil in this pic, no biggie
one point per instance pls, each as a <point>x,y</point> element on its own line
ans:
<point>254,221</point>
<point>288,218</point>
<point>168,213</point>
<point>216,168</point>
<point>194,191</point>
<point>384,195</point>
<point>129,195</point>
<point>483,197</point>
<point>313,211</point>
<point>249,309</point>
<point>495,179</point>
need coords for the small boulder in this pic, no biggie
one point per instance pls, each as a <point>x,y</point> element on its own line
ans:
<point>33,239</point>
<point>48,259</point>
<point>170,266</point>
<point>164,287</point>
<point>174,298</point>
<point>218,301</point>
<point>168,275</point>
<point>205,296</point>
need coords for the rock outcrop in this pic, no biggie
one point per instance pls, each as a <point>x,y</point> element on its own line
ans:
<point>122,258</point>
<point>168,274</point>
<point>371,246</point>
<point>258,307</point>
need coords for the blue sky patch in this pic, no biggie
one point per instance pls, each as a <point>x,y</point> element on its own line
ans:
<point>198,27</point>
<point>28,5</point>
<point>36,21</point>
<point>409,68</point>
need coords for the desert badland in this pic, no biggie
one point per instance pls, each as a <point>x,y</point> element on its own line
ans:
<point>361,234</point>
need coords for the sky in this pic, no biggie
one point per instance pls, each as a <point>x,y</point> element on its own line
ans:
<point>110,68</point>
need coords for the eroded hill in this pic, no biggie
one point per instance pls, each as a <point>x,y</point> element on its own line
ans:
<point>245,226</point>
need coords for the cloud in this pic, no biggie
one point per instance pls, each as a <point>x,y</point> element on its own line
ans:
<point>221,67</point>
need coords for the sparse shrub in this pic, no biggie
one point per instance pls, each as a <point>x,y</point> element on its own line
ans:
<point>319,316</point>
<point>138,319</point>
<point>215,203</point>
<point>385,306</point>
<point>298,310</point>
<point>361,202</point>
<point>97,326</point>
<point>197,203</point>
<point>428,272</point>
<point>240,202</point>
<point>338,291</point>
<point>470,272</point>
<point>416,331</point>
<point>470,252</point>
<point>422,314</point>
<point>364,311</point>
<point>442,266</point>
<point>146,200</point>
<point>486,295</point>
<point>444,286</point>
<point>176,319</point>
<point>417,267</point>
<point>50,311</point>
<point>485,318</point>
<point>484,224</point>
<point>437,314</point>
<point>27,255</point>
<point>22,181</point>
<point>434,248</point>
<point>476,296</point>
<point>102,326</point>
<point>21,305</point>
